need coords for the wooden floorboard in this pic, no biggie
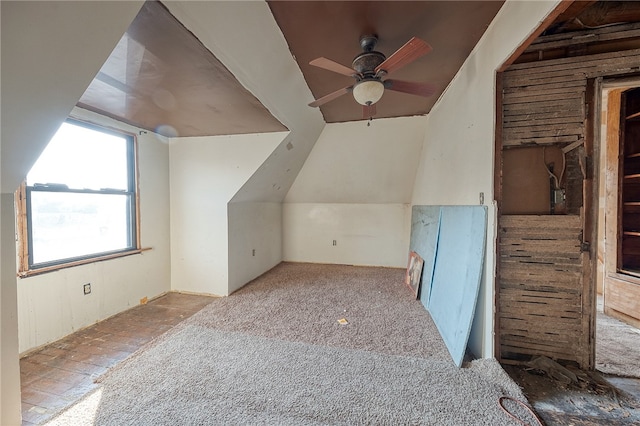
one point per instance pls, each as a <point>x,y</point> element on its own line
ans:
<point>60,373</point>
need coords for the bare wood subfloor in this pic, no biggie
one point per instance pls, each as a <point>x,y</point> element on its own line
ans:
<point>606,401</point>
<point>59,374</point>
<point>603,399</point>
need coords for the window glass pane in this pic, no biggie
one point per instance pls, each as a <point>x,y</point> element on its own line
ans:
<point>66,225</point>
<point>82,158</point>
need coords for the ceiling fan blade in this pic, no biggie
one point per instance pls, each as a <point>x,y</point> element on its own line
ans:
<point>331,96</point>
<point>420,89</point>
<point>368,111</point>
<point>330,65</point>
<point>412,50</point>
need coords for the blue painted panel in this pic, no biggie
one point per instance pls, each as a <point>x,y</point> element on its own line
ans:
<point>425,224</point>
<point>457,274</point>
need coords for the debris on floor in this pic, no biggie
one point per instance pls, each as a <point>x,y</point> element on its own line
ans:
<point>564,395</point>
<point>553,369</point>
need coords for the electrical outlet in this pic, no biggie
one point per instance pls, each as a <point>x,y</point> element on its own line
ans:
<point>87,288</point>
<point>559,196</point>
<point>335,243</point>
<point>253,252</point>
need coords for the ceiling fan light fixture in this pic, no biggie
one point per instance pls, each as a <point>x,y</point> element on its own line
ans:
<point>368,92</point>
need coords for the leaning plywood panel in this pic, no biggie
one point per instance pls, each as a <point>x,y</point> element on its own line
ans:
<point>425,226</point>
<point>457,274</point>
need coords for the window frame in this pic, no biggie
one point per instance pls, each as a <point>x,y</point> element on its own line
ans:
<point>26,267</point>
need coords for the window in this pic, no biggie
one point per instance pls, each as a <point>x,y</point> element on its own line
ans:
<point>79,200</point>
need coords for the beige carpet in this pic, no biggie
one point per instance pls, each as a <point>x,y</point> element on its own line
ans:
<point>274,353</point>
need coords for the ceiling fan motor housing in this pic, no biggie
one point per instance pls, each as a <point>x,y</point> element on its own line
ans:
<point>366,63</point>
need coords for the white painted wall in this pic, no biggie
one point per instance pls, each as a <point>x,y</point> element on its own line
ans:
<point>241,35</point>
<point>457,159</point>
<point>365,234</point>
<point>52,305</point>
<point>355,188</point>
<point>46,66</point>
<point>9,367</point>
<point>455,165</point>
<point>253,226</point>
<point>206,172</point>
<point>356,163</point>
<point>51,51</point>
<point>10,371</point>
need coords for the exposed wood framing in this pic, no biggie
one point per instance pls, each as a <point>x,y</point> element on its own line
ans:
<point>545,301</point>
<point>21,227</point>
<point>544,102</point>
<point>613,178</point>
<point>497,193</point>
<point>540,303</point>
<point>589,225</point>
<point>622,290</point>
<point>622,294</point>
<point>597,35</point>
<point>543,26</point>
<point>32,272</point>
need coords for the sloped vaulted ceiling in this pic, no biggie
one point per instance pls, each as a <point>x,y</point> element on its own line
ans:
<point>332,29</point>
<point>162,77</point>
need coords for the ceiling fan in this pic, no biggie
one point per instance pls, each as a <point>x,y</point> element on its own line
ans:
<point>369,69</point>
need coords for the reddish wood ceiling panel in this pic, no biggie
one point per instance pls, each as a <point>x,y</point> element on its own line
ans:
<point>161,78</point>
<point>333,28</point>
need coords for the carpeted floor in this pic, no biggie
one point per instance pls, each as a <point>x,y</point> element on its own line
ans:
<point>274,353</point>
<point>303,303</point>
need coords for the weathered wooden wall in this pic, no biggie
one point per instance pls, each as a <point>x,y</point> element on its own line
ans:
<point>621,290</point>
<point>541,287</point>
<point>544,102</point>
<point>544,304</point>
<point>623,298</point>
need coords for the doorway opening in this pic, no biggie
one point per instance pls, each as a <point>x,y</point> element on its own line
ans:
<point>618,264</point>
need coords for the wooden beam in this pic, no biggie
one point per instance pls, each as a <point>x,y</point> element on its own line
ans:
<point>534,35</point>
<point>497,194</point>
<point>612,181</point>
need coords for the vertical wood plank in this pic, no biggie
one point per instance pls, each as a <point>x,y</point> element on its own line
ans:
<point>589,197</point>
<point>612,178</point>
<point>21,227</point>
<point>497,194</point>
<point>554,102</point>
<point>534,35</point>
<point>540,297</point>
